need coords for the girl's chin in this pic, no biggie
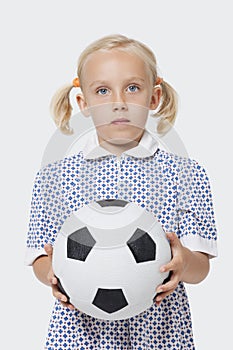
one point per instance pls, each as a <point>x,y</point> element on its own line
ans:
<point>121,141</point>
<point>121,134</point>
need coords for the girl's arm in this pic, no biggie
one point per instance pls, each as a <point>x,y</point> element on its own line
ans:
<point>185,265</point>
<point>42,268</point>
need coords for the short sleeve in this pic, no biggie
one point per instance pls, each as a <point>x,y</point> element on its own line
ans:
<point>44,221</point>
<point>196,221</point>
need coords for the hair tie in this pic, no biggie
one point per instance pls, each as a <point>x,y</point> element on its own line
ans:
<point>76,82</point>
<point>158,81</point>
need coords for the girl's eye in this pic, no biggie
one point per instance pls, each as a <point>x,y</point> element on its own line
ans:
<point>102,91</point>
<point>133,88</point>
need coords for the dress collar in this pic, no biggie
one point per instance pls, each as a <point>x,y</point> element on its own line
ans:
<point>146,147</point>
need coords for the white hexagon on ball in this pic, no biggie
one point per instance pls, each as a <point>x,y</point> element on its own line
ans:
<point>107,257</point>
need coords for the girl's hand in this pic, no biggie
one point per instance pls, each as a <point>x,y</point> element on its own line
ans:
<point>53,280</point>
<point>177,266</point>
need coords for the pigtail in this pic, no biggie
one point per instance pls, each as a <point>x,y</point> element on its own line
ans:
<point>167,109</point>
<point>61,108</point>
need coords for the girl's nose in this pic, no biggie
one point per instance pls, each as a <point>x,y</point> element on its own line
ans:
<point>119,107</point>
<point>119,103</point>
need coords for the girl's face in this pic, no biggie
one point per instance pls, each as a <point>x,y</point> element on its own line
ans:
<point>118,94</point>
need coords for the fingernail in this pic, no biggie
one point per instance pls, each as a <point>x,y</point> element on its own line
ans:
<point>162,269</point>
<point>159,290</point>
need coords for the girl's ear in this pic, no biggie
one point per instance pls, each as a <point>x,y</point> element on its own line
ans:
<point>155,98</point>
<point>82,105</point>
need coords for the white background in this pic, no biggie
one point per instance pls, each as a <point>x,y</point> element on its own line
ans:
<point>40,44</point>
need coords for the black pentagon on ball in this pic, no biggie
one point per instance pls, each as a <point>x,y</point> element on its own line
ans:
<point>79,244</point>
<point>112,203</point>
<point>142,246</point>
<point>110,300</point>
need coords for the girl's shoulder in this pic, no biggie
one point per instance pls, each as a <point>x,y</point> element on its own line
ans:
<point>67,164</point>
<point>178,164</point>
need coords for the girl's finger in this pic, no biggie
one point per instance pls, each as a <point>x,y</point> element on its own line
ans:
<point>49,250</point>
<point>70,306</point>
<point>62,298</point>
<point>162,296</point>
<point>174,240</point>
<point>167,287</point>
<point>168,267</point>
<point>53,280</point>
<point>57,294</point>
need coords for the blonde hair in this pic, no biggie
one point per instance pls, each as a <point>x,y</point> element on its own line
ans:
<point>61,107</point>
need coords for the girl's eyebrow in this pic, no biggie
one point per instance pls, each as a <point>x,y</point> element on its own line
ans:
<point>135,78</point>
<point>98,82</point>
<point>130,79</point>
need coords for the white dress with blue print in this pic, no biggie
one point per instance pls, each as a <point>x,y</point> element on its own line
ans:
<point>175,189</point>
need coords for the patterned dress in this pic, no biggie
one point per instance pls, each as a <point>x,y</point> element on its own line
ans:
<point>175,189</point>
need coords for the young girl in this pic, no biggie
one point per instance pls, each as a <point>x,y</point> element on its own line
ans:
<point>119,84</point>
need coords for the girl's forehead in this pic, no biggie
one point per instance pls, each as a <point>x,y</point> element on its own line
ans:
<point>106,60</point>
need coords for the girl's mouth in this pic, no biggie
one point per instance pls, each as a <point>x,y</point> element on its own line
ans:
<point>120,121</point>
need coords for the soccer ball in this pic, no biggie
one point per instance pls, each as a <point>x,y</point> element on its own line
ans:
<point>107,257</point>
